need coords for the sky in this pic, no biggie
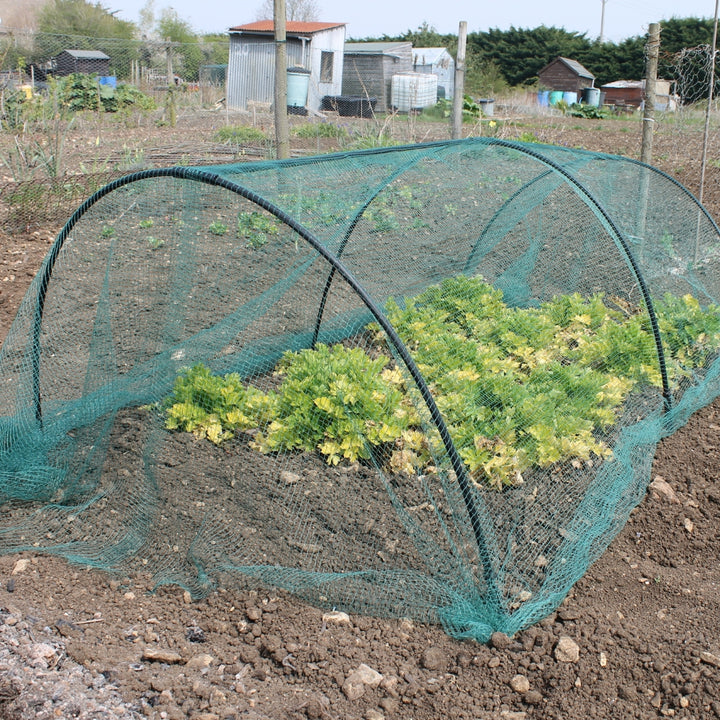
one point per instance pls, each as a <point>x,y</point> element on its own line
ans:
<point>374,18</point>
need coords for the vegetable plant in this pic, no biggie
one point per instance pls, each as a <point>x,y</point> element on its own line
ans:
<point>256,228</point>
<point>218,228</point>
<point>519,388</point>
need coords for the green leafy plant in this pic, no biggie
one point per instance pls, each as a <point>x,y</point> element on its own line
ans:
<point>218,228</point>
<point>256,228</point>
<point>108,231</point>
<point>155,243</point>
<point>332,399</point>
<point>519,388</point>
<point>146,223</point>
<point>587,111</point>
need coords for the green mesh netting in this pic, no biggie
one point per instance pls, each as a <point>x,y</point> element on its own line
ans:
<point>423,381</point>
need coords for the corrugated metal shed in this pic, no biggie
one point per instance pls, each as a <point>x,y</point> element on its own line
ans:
<point>316,46</point>
<point>368,69</point>
<point>437,61</point>
<point>631,93</point>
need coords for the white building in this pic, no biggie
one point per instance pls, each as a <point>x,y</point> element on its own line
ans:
<point>315,46</point>
<point>437,61</point>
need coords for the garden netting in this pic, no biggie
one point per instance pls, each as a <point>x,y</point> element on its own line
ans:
<point>422,381</point>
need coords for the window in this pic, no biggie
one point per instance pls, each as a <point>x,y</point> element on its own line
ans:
<point>326,66</point>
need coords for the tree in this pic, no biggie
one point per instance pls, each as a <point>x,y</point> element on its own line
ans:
<point>172,28</point>
<point>521,53</point>
<point>427,36</point>
<point>81,25</point>
<point>81,18</point>
<point>147,19</point>
<point>677,34</point>
<point>296,10</point>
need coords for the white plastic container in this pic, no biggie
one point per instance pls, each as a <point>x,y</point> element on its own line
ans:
<point>413,91</point>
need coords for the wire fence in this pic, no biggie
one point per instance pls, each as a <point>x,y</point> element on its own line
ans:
<point>118,75</point>
<point>694,123</point>
<point>32,58</point>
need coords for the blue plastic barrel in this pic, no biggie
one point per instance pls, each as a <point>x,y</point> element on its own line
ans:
<point>555,97</point>
<point>543,98</point>
<point>570,97</point>
<point>298,82</point>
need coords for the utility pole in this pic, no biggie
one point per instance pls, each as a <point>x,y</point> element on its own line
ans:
<point>282,129</point>
<point>602,21</point>
<point>459,89</point>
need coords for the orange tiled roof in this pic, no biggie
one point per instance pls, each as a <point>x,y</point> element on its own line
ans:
<point>299,28</point>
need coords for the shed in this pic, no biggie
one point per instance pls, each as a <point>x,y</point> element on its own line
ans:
<point>631,93</point>
<point>369,67</point>
<point>82,61</point>
<point>566,75</point>
<point>315,46</point>
<point>437,61</point>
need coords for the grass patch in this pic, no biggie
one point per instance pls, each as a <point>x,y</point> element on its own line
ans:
<point>239,134</point>
<point>320,130</point>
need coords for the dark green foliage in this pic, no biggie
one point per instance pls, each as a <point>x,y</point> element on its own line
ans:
<point>79,92</point>
<point>521,53</point>
<point>514,57</point>
<point>78,17</point>
<point>187,53</point>
<point>81,25</point>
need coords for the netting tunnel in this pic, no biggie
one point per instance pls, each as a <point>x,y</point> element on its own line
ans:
<point>423,381</point>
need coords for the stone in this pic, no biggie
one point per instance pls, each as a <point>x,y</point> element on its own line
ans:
<point>434,659</point>
<point>662,489</point>
<point>198,662</point>
<point>353,687</point>
<point>289,478</point>
<point>159,655</point>
<point>337,618</point>
<point>500,641</point>
<point>368,675</point>
<point>532,697</point>
<point>359,680</point>
<point>520,684</point>
<point>20,566</point>
<point>627,692</point>
<point>42,655</point>
<point>710,659</point>
<point>374,714</point>
<point>567,650</point>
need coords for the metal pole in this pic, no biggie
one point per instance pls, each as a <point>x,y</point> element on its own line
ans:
<point>459,90</point>
<point>282,129</point>
<point>711,89</point>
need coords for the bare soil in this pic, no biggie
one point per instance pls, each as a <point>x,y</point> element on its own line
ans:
<point>645,619</point>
